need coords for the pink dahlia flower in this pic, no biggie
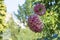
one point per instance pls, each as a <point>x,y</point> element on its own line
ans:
<point>39,9</point>
<point>34,23</point>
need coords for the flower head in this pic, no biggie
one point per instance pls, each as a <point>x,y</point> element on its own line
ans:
<point>39,9</point>
<point>34,23</point>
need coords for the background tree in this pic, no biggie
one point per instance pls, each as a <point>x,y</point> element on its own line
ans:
<point>51,19</point>
<point>2,17</point>
<point>13,28</point>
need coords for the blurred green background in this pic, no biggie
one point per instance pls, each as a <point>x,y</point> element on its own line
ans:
<point>51,20</point>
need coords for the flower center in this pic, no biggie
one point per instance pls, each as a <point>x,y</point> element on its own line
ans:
<point>40,9</point>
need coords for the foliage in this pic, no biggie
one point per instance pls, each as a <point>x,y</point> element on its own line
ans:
<point>2,17</point>
<point>51,19</point>
<point>13,29</point>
